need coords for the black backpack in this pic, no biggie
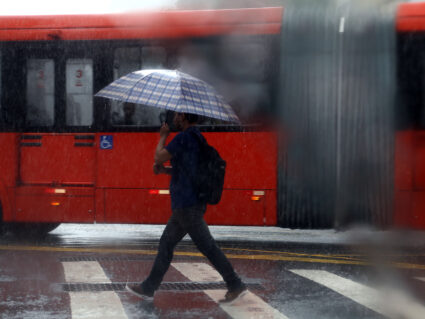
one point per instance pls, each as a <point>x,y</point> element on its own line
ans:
<point>209,177</point>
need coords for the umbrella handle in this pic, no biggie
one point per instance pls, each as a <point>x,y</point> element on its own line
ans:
<point>162,117</point>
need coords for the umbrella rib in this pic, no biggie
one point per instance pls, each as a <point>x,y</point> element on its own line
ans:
<point>130,92</point>
<point>192,97</point>
<point>181,93</point>
<point>156,81</point>
<point>175,109</point>
<point>166,85</point>
<point>211,111</point>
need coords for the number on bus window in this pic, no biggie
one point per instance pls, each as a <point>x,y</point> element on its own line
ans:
<point>79,92</point>
<point>40,92</point>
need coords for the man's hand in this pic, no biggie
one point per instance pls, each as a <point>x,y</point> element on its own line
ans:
<point>164,131</point>
<point>158,169</point>
<point>161,153</point>
<point>161,169</point>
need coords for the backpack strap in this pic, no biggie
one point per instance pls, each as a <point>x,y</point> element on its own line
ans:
<point>201,142</point>
<point>199,137</point>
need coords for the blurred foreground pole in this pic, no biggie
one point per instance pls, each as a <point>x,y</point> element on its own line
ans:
<point>338,89</point>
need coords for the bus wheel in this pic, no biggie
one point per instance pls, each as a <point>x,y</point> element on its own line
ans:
<point>31,229</point>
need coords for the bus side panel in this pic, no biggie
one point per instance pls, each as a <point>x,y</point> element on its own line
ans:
<point>128,162</point>
<point>403,177</point>
<point>419,161</point>
<point>40,204</point>
<point>271,208</point>
<point>236,208</point>
<point>402,208</point>
<point>251,178</point>
<point>137,206</point>
<point>58,159</point>
<point>6,201</point>
<point>251,158</point>
<point>99,205</point>
<point>409,196</point>
<point>417,218</point>
<point>125,174</point>
<point>9,171</point>
<point>8,158</point>
<point>133,194</point>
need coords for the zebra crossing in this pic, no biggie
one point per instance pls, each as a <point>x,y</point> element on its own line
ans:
<point>390,303</point>
<point>103,304</point>
<point>110,304</point>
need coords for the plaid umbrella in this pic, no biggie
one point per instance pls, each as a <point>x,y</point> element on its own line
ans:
<point>172,90</point>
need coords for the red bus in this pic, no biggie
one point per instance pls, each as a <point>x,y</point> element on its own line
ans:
<point>409,196</point>
<point>69,157</point>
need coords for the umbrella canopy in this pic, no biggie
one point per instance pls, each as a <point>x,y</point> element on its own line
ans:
<point>172,90</point>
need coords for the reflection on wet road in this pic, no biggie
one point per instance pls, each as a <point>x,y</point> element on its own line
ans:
<point>80,271</point>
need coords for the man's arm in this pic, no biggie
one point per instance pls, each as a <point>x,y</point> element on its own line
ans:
<point>161,153</point>
<point>161,169</point>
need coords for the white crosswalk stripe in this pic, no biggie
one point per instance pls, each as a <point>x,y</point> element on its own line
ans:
<point>90,305</point>
<point>249,306</point>
<point>390,303</point>
<point>107,304</point>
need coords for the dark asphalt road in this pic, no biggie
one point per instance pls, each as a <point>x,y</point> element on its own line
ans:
<point>79,271</point>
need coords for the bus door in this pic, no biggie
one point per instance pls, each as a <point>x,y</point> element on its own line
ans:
<point>57,150</point>
<point>132,193</point>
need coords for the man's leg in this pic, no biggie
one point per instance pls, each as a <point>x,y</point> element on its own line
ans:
<point>171,236</point>
<point>193,221</point>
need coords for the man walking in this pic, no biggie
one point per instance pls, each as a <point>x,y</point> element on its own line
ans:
<point>187,212</point>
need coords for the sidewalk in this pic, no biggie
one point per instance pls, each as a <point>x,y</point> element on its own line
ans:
<point>352,237</point>
<point>247,234</point>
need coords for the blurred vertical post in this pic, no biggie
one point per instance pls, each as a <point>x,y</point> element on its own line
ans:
<point>338,89</point>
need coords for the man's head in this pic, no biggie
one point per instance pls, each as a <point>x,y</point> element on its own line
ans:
<point>129,109</point>
<point>183,120</point>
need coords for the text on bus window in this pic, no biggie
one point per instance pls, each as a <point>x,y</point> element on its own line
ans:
<point>40,92</point>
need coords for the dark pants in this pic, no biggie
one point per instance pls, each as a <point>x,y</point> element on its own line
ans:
<point>189,221</point>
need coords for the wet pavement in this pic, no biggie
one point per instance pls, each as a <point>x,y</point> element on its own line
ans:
<point>80,271</point>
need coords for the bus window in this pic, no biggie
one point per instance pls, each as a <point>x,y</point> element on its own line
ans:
<point>129,114</point>
<point>127,60</point>
<point>131,59</point>
<point>238,70</point>
<point>79,92</point>
<point>246,60</point>
<point>40,92</point>
<point>245,67</point>
<point>153,57</point>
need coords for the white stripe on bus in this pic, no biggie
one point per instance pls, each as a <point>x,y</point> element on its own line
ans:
<point>248,306</point>
<point>90,305</point>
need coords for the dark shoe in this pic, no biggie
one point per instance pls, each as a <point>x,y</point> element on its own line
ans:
<point>233,294</point>
<point>139,292</point>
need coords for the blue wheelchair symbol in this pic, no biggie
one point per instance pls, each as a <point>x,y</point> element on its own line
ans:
<point>106,142</point>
